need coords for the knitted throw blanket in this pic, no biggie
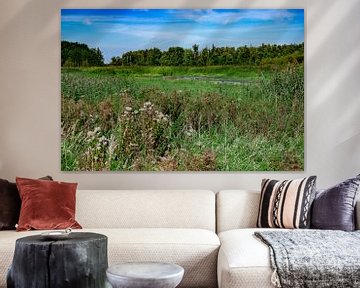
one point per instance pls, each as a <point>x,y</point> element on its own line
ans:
<point>313,258</point>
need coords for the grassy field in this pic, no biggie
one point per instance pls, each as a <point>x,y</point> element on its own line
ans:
<point>182,118</point>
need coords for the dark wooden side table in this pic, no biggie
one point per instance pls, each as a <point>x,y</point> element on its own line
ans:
<point>78,261</point>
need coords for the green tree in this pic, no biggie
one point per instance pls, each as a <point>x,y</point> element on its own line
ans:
<point>74,54</point>
<point>177,56</point>
<point>195,48</point>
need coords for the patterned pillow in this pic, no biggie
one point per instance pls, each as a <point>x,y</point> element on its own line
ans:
<point>286,204</point>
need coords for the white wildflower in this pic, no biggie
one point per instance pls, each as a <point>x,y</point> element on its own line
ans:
<point>190,132</point>
<point>103,141</point>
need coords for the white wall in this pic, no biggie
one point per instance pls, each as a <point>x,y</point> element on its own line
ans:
<point>30,94</point>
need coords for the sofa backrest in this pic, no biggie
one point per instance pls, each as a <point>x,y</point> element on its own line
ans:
<point>146,209</point>
<point>236,209</point>
<point>239,209</point>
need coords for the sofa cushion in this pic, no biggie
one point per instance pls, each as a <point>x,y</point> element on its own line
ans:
<point>286,204</point>
<point>244,261</point>
<point>10,204</point>
<point>146,209</point>
<point>236,209</point>
<point>194,249</point>
<point>46,204</point>
<point>334,208</point>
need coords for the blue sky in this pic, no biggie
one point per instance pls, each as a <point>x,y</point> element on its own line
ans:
<point>116,31</point>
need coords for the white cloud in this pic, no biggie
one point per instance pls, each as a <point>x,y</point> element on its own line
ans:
<point>217,17</point>
<point>87,21</point>
<point>112,19</point>
<point>206,16</point>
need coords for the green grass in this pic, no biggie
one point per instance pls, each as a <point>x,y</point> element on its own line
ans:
<point>225,71</point>
<point>182,118</point>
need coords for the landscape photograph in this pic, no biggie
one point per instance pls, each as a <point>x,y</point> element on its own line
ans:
<point>182,90</point>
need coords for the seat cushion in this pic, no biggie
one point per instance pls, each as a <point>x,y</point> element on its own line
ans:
<point>244,261</point>
<point>196,250</point>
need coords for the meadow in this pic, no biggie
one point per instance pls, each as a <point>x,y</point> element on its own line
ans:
<point>158,118</point>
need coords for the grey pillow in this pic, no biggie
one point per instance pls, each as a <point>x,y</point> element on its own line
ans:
<point>334,208</point>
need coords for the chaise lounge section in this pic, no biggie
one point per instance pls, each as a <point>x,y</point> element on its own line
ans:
<point>244,260</point>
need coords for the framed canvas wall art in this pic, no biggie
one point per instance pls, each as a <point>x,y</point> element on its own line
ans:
<point>182,90</point>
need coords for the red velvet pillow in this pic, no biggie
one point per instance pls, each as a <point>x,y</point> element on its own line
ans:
<point>10,204</point>
<point>46,204</point>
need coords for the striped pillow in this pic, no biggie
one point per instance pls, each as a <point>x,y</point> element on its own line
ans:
<point>286,204</point>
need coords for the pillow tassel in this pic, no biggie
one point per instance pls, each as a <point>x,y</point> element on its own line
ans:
<point>275,280</point>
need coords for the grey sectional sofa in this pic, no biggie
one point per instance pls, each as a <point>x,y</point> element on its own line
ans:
<point>210,235</point>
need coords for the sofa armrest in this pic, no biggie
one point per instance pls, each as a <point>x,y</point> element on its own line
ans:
<point>357,215</point>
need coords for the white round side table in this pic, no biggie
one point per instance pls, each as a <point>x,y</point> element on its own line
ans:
<point>145,275</point>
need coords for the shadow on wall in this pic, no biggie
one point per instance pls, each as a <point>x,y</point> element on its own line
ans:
<point>340,70</point>
<point>333,63</point>
<point>43,12</point>
<point>337,33</point>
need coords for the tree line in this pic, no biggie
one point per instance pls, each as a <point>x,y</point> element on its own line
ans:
<point>178,56</point>
<point>76,54</point>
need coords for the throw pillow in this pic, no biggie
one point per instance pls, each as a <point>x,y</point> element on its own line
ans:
<point>10,204</point>
<point>46,204</point>
<point>334,208</point>
<point>286,204</point>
